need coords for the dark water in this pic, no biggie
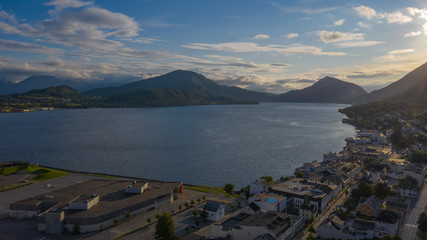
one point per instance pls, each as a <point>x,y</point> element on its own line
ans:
<point>209,145</point>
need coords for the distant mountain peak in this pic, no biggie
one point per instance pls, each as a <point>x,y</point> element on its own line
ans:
<point>327,89</point>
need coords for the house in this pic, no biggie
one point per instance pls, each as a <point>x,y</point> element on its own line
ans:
<point>408,192</point>
<point>334,228</point>
<point>370,177</point>
<point>267,225</point>
<point>332,157</point>
<point>214,210</point>
<point>308,168</point>
<point>387,223</point>
<point>369,206</point>
<point>307,211</point>
<point>363,228</point>
<point>396,164</point>
<point>250,209</point>
<point>396,206</point>
<point>269,202</point>
<point>260,185</point>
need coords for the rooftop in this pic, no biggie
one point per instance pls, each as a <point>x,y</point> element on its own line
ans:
<point>274,222</point>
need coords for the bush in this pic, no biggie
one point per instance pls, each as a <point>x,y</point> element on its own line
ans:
<point>228,188</point>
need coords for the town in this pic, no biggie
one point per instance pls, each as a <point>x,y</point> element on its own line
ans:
<point>372,189</point>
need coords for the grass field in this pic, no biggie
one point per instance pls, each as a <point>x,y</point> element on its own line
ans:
<point>213,190</point>
<point>42,174</point>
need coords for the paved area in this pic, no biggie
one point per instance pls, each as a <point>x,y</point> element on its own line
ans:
<point>408,230</point>
<point>8,197</point>
<point>140,222</point>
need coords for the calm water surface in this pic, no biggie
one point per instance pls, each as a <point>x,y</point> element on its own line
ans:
<point>209,145</point>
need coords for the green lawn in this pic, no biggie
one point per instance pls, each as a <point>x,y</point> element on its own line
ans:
<point>8,171</point>
<point>214,190</point>
<point>41,172</point>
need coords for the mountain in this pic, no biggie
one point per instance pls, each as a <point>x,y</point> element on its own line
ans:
<point>55,92</point>
<point>416,92</point>
<point>42,81</point>
<point>326,90</point>
<point>409,81</point>
<point>185,81</point>
<point>166,97</point>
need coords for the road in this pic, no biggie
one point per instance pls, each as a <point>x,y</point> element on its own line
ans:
<point>408,230</point>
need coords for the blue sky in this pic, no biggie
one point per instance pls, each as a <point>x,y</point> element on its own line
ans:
<point>273,46</point>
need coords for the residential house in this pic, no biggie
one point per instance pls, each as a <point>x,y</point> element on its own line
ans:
<point>214,210</point>
<point>369,206</point>
<point>260,185</point>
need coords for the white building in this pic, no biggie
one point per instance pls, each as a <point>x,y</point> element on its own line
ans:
<point>214,210</point>
<point>269,202</point>
<point>258,186</point>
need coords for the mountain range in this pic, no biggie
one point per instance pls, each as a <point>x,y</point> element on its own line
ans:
<point>412,85</point>
<point>193,88</point>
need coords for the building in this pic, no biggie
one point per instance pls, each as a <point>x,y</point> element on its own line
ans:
<point>214,210</point>
<point>369,206</point>
<point>396,206</point>
<point>260,185</point>
<point>269,202</point>
<point>387,223</point>
<point>260,225</point>
<point>308,168</point>
<point>93,204</point>
<point>300,191</point>
<point>307,211</point>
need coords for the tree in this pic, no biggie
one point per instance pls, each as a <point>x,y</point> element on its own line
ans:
<point>165,228</point>
<point>381,190</point>
<point>422,222</point>
<point>228,188</point>
<point>267,178</point>
<point>299,175</point>
<point>195,213</point>
<point>204,215</point>
<point>363,190</point>
<point>311,228</point>
<point>408,182</point>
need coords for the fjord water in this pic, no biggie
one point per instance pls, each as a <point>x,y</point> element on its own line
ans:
<point>207,145</point>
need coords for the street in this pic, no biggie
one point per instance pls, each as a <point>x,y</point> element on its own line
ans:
<point>408,229</point>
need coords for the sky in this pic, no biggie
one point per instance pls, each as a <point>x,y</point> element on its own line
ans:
<point>262,45</point>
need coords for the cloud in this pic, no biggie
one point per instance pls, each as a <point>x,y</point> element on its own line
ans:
<point>88,28</point>
<point>417,11</point>
<point>336,36</point>
<point>63,4</point>
<point>393,55</point>
<point>395,17</point>
<point>337,23</point>
<point>363,25</point>
<point>26,47</point>
<point>292,35</point>
<point>303,9</point>
<point>366,12</point>
<point>255,47</point>
<point>261,36</point>
<point>413,34</point>
<point>358,44</point>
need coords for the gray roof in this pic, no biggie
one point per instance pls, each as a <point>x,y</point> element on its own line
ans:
<point>363,225</point>
<point>388,217</point>
<point>373,202</point>
<point>274,222</point>
<point>211,206</point>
